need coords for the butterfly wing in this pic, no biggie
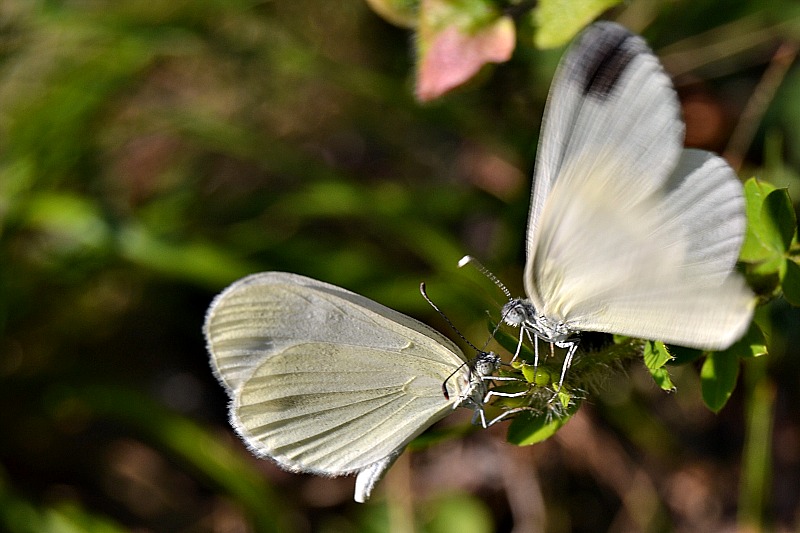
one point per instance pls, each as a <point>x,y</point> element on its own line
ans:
<point>611,117</point>
<point>334,409</point>
<point>658,268</point>
<point>263,314</point>
<point>325,381</point>
<point>628,232</point>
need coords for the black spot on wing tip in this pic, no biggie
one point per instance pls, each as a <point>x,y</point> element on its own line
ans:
<point>601,56</point>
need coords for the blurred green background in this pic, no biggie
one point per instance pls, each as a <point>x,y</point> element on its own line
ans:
<point>151,152</point>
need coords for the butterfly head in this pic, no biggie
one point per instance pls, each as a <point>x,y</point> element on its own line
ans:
<point>484,364</point>
<point>471,387</point>
<point>519,311</point>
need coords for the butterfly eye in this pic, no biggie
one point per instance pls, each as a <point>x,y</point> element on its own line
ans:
<point>517,311</point>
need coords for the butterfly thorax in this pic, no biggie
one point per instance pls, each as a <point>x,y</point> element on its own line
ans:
<point>474,388</point>
<point>520,312</point>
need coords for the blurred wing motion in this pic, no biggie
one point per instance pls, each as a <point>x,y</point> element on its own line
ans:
<point>325,381</point>
<point>628,232</point>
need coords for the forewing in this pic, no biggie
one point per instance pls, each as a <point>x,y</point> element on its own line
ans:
<point>656,268</point>
<point>335,409</point>
<point>264,314</point>
<point>611,117</point>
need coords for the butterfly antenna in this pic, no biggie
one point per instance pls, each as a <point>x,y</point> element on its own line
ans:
<point>444,316</point>
<point>427,299</point>
<point>467,259</point>
<point>485,271</point>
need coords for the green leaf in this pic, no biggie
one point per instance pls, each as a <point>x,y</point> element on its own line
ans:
<point>563,396</point>
<point>771,269</point>
<point>791,283</point>
<point>718,378</point>
<point>655,357</point>
<point>529,428</point>
<point>771,229</point>
<point>754,249</point>
<point>662,379</point>
<point>558,21</point>
<point>752,344</point>
<point>778,221</point>
<point>537,375</point>
<point>71,216</point>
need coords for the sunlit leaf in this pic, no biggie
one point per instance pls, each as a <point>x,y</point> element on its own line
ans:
<point>752,344</point>
<point>558,21</point>
<point>778,222</point>
<point>770,230</point>
<point>662,379</point>
<point>655,357</point>
<point>537,375</point>
<point>718,378</point>
<point>754,248</point>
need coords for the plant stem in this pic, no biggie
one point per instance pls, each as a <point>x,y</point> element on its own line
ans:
<point>757,457</point>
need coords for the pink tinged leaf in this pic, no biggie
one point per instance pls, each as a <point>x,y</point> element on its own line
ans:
<point>452,56</point>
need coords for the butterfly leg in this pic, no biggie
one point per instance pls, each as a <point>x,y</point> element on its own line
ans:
<point>504,395</point>
<point>504,414</point>
<point>479,413</point>
<point>572,347</point>
<point>519,344</point>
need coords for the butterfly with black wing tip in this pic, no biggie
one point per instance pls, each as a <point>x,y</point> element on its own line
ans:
<point>628,232</point>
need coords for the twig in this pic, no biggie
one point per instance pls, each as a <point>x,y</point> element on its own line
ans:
<point>756,107</point>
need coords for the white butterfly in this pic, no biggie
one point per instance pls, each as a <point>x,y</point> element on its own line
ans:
<point>628,233</point>
<point>325,381</point>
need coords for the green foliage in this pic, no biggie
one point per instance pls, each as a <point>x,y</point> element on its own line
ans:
<point>769,253</point>
<point>721,369</point>
<point>558,21</point>
<point>530,427</point>
<point>718,377</point>
<point>770,249</point>
<point>656,356</point>
<point>539,406</point>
